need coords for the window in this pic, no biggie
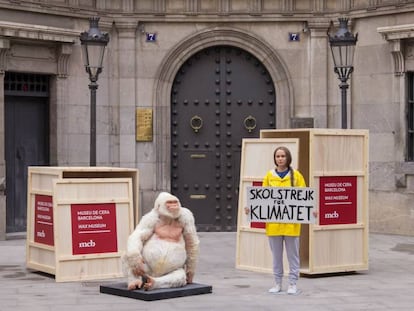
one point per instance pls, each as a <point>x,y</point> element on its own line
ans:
<point>26,84</point>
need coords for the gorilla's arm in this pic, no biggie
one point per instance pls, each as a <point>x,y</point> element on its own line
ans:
<point>137,239</point>
<point>191,242</point>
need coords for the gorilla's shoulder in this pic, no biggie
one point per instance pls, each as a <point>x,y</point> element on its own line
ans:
<point>149,219</point>
<point>186,211</point>
<point>186,215</point>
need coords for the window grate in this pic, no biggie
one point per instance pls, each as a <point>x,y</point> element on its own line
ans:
<point>26,84</point>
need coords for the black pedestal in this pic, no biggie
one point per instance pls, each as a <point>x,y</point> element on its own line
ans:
<point>120,289</point>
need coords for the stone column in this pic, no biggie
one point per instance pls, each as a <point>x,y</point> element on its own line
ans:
<point>400,51</point>
<point>318,73</point>
<point>4,48</point>
<point>59,97</point>
<point>126,49</point>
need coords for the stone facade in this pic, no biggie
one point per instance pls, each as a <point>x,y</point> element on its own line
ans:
<point>43,37</point>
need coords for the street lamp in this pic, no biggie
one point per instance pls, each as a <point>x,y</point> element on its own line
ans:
<point>93,43</point>
<point>343,47</point>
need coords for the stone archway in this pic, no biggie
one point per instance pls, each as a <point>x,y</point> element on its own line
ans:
<point>174,60</point>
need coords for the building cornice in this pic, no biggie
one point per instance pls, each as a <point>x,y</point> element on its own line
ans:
<point>395,35</point>
<point>37,32</point>
<point>397,32</point>
<point>220,11</point>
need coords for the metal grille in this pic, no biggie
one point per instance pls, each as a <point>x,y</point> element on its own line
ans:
<point>410,117</point>
<point>26,84</point>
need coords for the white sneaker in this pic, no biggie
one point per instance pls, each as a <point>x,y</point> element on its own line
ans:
<point>292,290</point>
<point>275,289</point>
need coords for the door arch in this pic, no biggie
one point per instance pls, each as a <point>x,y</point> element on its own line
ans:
<point>220,95</point>
<point>168,69</point>
<point>185,49</point>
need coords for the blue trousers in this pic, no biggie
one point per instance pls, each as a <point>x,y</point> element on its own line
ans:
<point>292,253</point>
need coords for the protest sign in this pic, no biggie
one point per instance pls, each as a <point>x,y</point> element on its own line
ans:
<point>282,205</point>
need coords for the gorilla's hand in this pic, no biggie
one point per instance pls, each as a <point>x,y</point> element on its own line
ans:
<point>136,264</point>
<point>190,276</point>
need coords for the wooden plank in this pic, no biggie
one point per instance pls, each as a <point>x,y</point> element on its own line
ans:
<point>333,248</point>
<point>88,269</point>
<point>41,259</point>
<point>42,267</point>
<point>38,256</point>
<point>338,153</point>
<point>254,252</point>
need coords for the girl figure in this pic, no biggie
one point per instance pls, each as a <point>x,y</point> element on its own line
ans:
<point>278,233</point>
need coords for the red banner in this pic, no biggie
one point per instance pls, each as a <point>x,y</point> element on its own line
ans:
<point>43,222</point>
<point>338,200</point>
<point>94,228</point>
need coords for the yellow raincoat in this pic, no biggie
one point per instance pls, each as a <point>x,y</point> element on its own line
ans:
<point>272,179</point>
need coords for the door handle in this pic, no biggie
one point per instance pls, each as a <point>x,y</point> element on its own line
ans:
<point>198,196</point>
<point>196,123</point>
<point>250,123</point>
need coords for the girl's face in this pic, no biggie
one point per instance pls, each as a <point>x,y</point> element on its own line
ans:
<point>280,158</point>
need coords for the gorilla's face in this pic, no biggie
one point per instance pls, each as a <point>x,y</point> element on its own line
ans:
<point>172,208</point>
<point>168,205</point>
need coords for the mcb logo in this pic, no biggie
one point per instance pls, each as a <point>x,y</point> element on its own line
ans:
<point>91,243</point>
<point>335,214</point>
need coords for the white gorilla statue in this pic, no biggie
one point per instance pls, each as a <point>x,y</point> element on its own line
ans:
<point>163,249</point>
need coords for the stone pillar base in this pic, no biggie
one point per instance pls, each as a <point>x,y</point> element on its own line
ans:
<point>2,217</point>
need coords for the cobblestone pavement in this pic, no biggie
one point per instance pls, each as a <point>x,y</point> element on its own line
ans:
<point>388,285</point>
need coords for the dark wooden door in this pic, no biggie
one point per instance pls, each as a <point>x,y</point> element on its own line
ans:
<point>26,143</point>
<point>219,96</point>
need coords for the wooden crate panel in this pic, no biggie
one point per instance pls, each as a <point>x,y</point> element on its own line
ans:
<point>43,177</point>
<point>254,252</point>
<point>67,196</point>
<point>66,247</point>
<point>257,155</point>
<point>41,183</point>
<point>91,190</point>
<point>340,248</point>
<point>94,268</point>
<point>41,257</point>
<point>30,217</point>
<point>243,219</point>
<point>338,153</point>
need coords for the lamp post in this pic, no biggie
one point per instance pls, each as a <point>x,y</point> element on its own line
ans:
<point>343,47</point>
<point>93,43</point>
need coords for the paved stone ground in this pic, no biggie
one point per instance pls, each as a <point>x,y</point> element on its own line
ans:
<point>388,285</point>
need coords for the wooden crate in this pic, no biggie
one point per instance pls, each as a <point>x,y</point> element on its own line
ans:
<point>79,220</point>
<point>335,163</point>
<point>253,251</point>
